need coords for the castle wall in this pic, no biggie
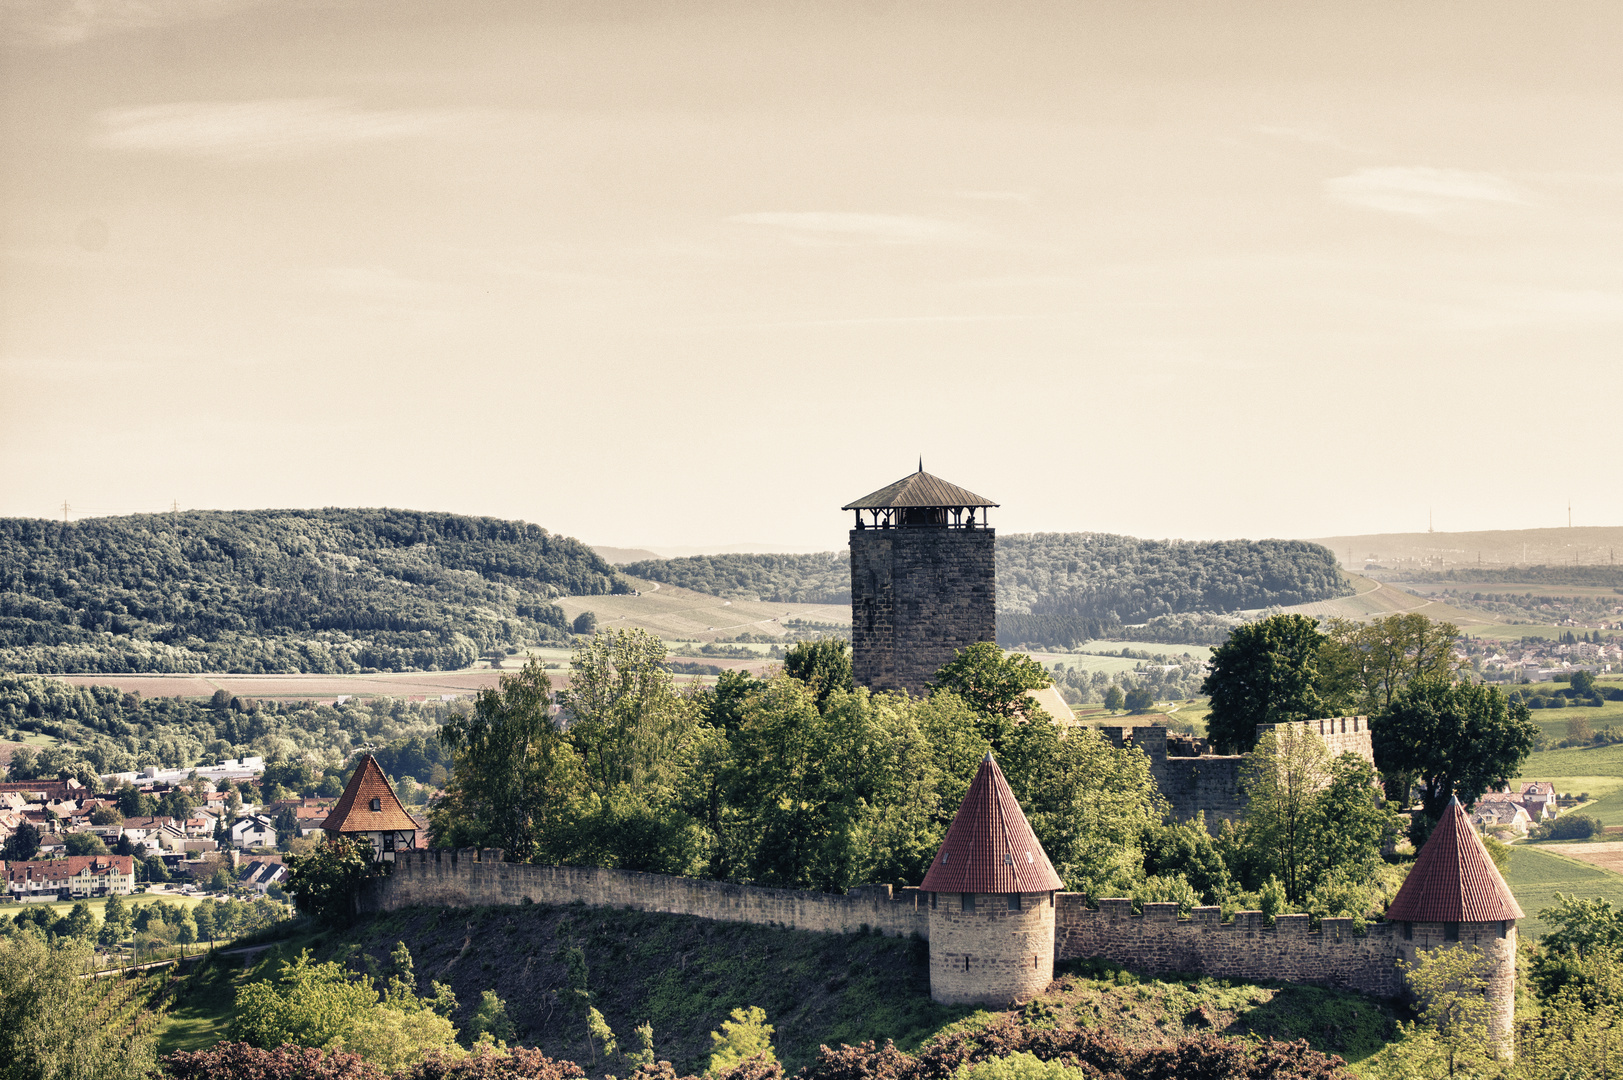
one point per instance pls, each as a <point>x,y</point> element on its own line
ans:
<point>1497,942</point>
<point>918,595</point>
<point>1158,942</point>
<point>1210,783</point>
<point>990,954</point>
<point>468,878</point>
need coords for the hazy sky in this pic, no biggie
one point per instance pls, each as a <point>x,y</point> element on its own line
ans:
<point>681,273</point>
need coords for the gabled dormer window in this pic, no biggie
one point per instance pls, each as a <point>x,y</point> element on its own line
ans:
<point>377,804</point>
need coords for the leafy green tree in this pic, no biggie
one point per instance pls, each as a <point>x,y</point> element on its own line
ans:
<point>84,843</point>
<point>1353,826</point>
<point>627,721</point>
<point>490,1022</point>
<point>1139,699</point>
<point>599,1032</point>
<point>995,685</point>
<point>1450,1037</point>
<point>176,804</point>
<point>516,779</point>
<point>1089,803</point>
<point>1364,666</point>
<point>21,845</point>
<point>1114,699</point>
<point>747,1035</point>
<point>824,665</point>
<point>116,924</point>
<point>326,883</point>
<point>1187,850</point>
<point>1583,683</point>
<point>1456,738</point>
<point>133,803</point>
<point>105,815</point>
<point>1265,673</point>
<point>1282,779</point>
<point>585,623</point>
<point>79,923</point>
<point>55,1025</point>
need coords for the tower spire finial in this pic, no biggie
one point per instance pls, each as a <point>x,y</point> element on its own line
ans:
<point>921,465</point>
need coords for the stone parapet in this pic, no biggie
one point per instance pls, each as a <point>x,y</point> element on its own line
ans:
<point>469,877</point>
<point>1159,942</point>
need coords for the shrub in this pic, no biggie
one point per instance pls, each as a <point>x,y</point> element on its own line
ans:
<point>235,1060</point>
<point>1568,827</point>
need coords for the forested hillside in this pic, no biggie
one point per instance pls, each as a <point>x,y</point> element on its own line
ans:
<point>255,591</point>
<point>110,731</point>
<point>1063,588</point>
<point>820,578</point>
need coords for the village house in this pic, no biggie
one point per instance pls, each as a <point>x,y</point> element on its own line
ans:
<point>73,877</point>
<point>253,831</point>
<point>1501,813</point>
<point>260,875</point>
<point>369,810</point>
<point>1538,798</point>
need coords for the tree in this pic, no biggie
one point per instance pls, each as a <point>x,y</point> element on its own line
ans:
<point>1457,738</point>
<point>84,843</point>
<point>286,824</point>
<point>54,1025</point>
<point>1583,683</point>
<point>585,623</point>
<point>79,923</point>
<point>490,1022</point>
<point>21,845</point>
<point>1139,699</point>
<point>326,882</point>
<point>176,804</point>
<point>995,685</point>
<point>747,1035</point>
<point>1114,701</point>
<point>824,665</point>
<point>105,815</point>
<point>1282,780</point>
<point>626,717</point>
<point>1450,1037</point>
<point>116,924</point>
<point>1364,666</point>
<point>1265,673</point>
<point>515,778</point>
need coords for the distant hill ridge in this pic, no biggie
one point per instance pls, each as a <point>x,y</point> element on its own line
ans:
<point>329,590</point>
<point>1582,545</point>
<point>1060,588</point>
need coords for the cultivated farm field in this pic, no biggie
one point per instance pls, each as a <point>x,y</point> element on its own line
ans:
<point>1538,873</point>
<point>673,612</point>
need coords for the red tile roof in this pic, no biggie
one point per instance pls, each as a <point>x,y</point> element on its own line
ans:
<point>354,813</point>
<point>989,847</point>
<point>1454,879</point>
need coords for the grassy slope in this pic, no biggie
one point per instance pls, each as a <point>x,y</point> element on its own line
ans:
<point>1596,770</point>
<point>1537,875</point>
<point>686,975</point>
<point>1373,600</point>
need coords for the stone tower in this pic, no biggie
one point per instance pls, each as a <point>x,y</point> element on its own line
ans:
<point>1455,896</point>
<point>991,894</point>
<point>923,580</point>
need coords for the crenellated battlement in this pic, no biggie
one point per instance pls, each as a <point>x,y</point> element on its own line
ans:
<point>1159,942</point>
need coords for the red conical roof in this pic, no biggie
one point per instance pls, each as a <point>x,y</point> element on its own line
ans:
<point>990,848</point>
<point>1454,879</point>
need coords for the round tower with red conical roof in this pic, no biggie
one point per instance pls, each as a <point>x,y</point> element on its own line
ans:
<point>991,894</point>
<point>1455,896</point>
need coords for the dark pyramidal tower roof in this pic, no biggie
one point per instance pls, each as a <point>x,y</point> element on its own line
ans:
<point>353,811</point>
<point>919,489</point>
<point>990,848</point>
<point>1454,879</point>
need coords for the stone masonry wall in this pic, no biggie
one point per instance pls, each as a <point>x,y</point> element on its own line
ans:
<point>1159,942</point>
<point>918,595</point>
<point>990,954</point>
<point>1210,783</point>
<point>469,877</point>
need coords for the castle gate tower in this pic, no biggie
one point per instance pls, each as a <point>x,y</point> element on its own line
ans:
<point>1455,896</point>
<point>923,580</point>
<point>991,894</point>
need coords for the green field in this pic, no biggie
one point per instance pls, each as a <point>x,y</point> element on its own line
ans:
<point>135,900</point>
<point>1536,876</point>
